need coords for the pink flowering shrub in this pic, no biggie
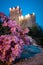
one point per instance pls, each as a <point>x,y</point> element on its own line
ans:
<point>11,45</point>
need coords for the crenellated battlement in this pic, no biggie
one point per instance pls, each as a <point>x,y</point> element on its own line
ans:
<point>15,10</point>
<point>28,20</point>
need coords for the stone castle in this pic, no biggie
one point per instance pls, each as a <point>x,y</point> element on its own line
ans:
<point>28,20</point>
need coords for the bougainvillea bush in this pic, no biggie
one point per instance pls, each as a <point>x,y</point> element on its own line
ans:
<point>12,42</point>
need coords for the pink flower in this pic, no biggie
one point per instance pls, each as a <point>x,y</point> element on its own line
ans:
<point>11,23</point>
<point>13,29</point>
<point>11,45</point>
<point>4,24</point>
<point>26,31</point>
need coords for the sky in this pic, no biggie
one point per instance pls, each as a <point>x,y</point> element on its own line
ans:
<point>27,6</point>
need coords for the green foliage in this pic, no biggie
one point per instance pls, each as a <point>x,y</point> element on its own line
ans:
<point>1,63</point>
<point>4,30</point>
<point>0,23</point>
<point>37,33</point>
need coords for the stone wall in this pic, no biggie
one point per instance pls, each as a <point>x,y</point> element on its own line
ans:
<point>28,20</point>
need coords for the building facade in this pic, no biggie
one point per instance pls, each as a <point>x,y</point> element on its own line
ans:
<point>28,20</point>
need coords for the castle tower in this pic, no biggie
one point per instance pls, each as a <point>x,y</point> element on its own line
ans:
<point>15,13</point>
<point>31,20</point>
<point>28,20</point>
